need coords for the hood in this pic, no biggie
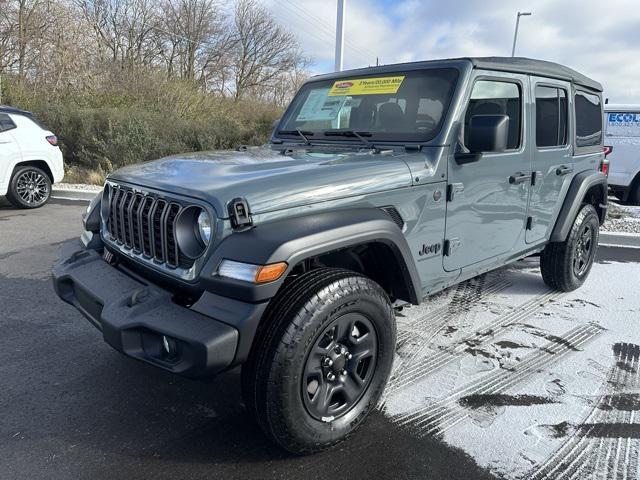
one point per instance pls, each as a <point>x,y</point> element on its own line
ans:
<point>268,179</point>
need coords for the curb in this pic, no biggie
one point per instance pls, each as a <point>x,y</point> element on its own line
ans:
<point>75,195</point>
<point>620,240</point>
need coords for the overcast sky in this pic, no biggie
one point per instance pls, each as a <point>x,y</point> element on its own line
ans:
<point>600,38</point>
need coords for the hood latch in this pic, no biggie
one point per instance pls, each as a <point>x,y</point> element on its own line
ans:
<point>240,214</point>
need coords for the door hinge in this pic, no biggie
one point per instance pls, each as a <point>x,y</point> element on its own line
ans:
<point>529,223</point>
<point>453,190</point>
<point>451,245</point>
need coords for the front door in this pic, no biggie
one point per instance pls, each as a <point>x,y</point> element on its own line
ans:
<point>552,162</point>
<point>487,207</point>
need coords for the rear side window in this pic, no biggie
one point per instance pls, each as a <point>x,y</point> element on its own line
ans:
<point>551,116</point>
<point>497,98</point>
<point>6,123</point>
<point>623,124</point>
<point>588,119</point>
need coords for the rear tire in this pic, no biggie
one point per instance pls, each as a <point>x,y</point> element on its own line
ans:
<point>301,400</point>
<point>30,187</point>
<point>566,265</point>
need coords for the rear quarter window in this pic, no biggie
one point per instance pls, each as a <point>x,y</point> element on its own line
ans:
<point>6,123</point>
<point>588,119</point>
<point>622,124</point>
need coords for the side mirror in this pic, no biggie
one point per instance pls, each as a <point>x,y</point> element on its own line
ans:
<point>488,133</point>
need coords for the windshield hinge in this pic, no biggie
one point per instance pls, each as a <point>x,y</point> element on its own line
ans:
<point>239,213</point>
<point>413,147</point>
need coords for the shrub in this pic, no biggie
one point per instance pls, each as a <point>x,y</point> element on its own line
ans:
<point>100,132</point>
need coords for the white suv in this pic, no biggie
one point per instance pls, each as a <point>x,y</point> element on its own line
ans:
<point>622,140</point>
<point>30,159</point>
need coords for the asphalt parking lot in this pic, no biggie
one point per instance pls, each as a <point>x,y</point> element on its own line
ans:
<point>71,407</point>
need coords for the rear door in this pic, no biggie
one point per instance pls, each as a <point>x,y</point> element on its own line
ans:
<point>551,163</point>
<point>487,209</point>
<point>9,149</point>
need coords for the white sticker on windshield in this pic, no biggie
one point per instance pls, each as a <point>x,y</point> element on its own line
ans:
<point>319,106</point>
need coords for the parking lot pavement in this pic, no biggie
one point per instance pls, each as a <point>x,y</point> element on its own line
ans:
<point>495,377</point>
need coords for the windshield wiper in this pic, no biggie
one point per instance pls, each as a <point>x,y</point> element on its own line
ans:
<point>352,133</point>
<point>302,133</point>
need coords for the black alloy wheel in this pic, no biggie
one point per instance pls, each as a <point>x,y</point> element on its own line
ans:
<point>340,367</point>
<point>583,250</point>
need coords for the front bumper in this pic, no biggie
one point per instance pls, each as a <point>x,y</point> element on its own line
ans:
<point>140,319</point>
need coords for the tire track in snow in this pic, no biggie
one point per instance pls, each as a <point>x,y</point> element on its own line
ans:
<point>466,295</point>
<point>420,368</point>
<point>594,448</point>
<point>440,416</point>
<point>424,328</point>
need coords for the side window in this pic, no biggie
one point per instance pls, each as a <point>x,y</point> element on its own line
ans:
<point>588,119</point>
<point>551,116</point>
<point>491,97</point>
<point>6,123</point>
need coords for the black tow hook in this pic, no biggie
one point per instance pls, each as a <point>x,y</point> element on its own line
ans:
<point>75,256</point>
<point>138,296</point>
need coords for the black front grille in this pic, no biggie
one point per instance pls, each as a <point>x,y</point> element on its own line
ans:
<point>145,224</point>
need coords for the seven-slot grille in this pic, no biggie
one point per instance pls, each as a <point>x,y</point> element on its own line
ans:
<point>145,224</point>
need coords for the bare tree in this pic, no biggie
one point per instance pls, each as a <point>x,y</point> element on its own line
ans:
<point>196,30</point>
<point>262,49</point>
<point>125,29</point>
<point>93,44</point>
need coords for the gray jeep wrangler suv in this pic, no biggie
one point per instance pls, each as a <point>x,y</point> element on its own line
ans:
<point>379,187</point>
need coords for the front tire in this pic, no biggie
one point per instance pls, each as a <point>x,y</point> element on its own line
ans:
<point>30,187</point>
<point>321,361</point>
<point>566,265</point>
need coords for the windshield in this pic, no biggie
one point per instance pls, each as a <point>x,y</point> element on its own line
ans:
<point>397,106</point>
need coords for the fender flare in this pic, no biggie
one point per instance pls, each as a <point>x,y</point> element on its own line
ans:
<point>293,240</point>
<point>580,185</point>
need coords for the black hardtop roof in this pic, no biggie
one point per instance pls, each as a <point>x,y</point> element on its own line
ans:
<point>541,68</point>
<point>531,66</point>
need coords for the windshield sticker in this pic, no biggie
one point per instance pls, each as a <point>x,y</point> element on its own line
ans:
<point>319,106</point>
<point>366,86</point>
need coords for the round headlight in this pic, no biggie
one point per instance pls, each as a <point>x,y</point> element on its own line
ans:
<point>193,231</point>
<point>204,227</point>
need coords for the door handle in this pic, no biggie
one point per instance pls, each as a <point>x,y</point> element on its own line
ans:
<point>519,178</point>
<point>564,170</point>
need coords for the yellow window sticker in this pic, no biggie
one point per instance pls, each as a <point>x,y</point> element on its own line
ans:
<point>366,86</point>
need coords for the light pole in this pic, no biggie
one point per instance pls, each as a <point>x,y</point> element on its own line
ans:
<point>339,35</point>
<point>515,34</point>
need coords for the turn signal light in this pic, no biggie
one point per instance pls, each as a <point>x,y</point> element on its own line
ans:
<point>269,273</point>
